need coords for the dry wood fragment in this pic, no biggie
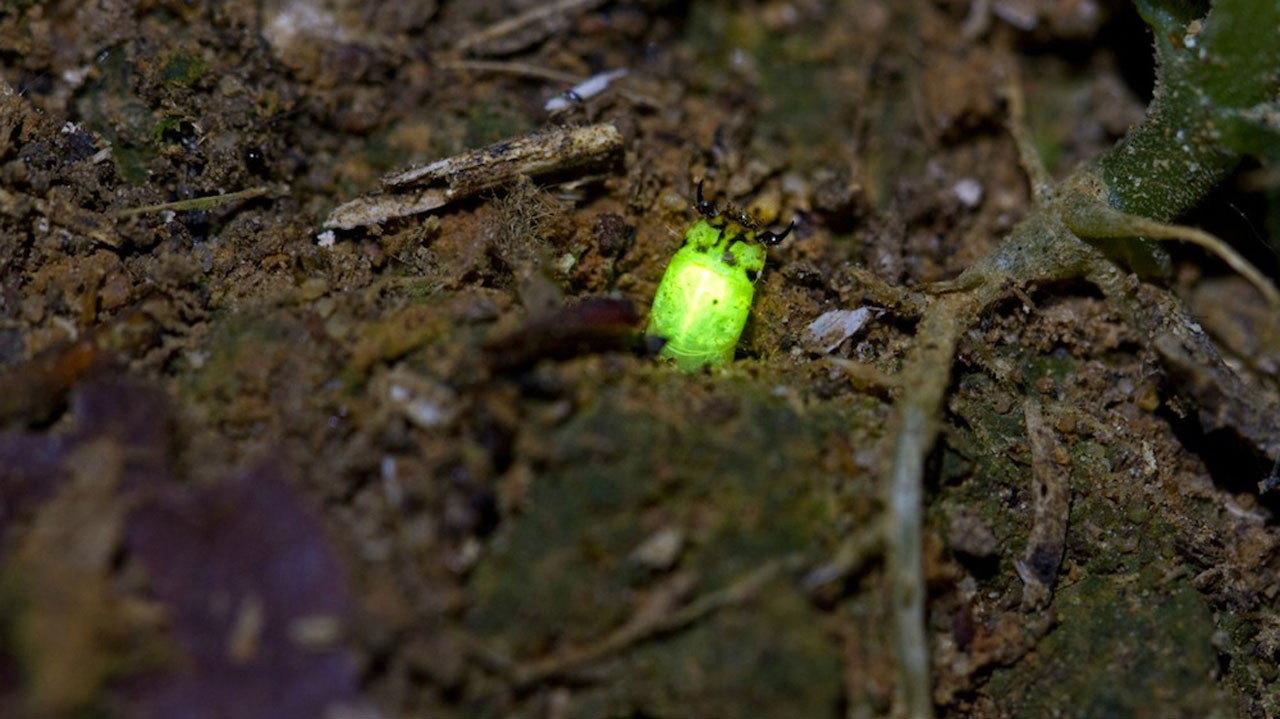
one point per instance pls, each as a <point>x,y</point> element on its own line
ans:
<point>428,187</point>
<point>1038,567</point>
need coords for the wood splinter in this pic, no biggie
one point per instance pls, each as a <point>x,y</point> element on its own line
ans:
<point>1051,500</point>
<point>428,187</point>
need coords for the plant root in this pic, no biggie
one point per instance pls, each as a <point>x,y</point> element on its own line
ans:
<point>1051,244</point>
<point>1097,221</point>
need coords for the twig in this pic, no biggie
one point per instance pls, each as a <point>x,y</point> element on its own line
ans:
<point>854,553</point>
<point>1041,181</point>
<point>519,69</point>
<point>903,301</point>
<point>539,13</point>
<point>654,621</point>
<point>864,376</point>
<point>424,188</point>
<point>196,203</point>
<point>977,21</point>
<point>531,155</point>
<point>1051,503</point>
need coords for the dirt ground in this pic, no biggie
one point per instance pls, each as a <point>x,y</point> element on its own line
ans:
<point>427,467</point>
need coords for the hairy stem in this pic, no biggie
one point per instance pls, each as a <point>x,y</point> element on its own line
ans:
<point>1209,70</point>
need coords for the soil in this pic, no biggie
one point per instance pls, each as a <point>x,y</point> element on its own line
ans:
<point>430,467</point>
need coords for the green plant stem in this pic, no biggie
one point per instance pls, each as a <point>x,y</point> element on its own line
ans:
<point>1210,70</point>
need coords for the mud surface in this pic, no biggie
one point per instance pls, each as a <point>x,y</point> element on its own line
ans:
<point>427,468</point>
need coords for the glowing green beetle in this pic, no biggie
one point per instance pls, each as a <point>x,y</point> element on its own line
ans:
<point>705,295</point>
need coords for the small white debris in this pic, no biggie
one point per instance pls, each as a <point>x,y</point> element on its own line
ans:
<point>1018,13</point>
<point>75,76</point>
<point>590,87</point>
<point>326,238</point>
<point>1193,32</point>
<point>426,413</point>
<point>1254,514</point>
<point>465,557</point>
<point>246,631</point>
<point>391,482</point>
<point>831,328</point>
<point>422,412</point>
<point>316,631</point>
<point>69,128</point>
<point>295,28</point>
<point>968,191</point>
<point>425,402</point>
<point>660,550</point>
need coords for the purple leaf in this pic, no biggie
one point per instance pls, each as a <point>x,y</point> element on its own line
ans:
<point>243,567</point>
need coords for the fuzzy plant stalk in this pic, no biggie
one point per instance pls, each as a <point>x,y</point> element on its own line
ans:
<point>1216,100</point>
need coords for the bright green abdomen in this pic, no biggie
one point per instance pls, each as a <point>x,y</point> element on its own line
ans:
<point>700,309</point>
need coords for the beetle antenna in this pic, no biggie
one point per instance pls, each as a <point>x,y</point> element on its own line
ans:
<point>707,209</point>
<point>769,238</point>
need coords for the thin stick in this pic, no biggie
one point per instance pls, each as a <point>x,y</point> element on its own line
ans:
<point>1041,181</point>
<point>903,301</point>
<point>196,203</point>
<point>978,20</point>
<point>533,15</point>
<point>646,625</point>
<point>1051,500</point>
<point>519,69</point>
<point>854,553</point>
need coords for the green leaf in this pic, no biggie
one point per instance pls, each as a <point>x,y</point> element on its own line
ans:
<point>1253,131</point>
<point>1237,54</point>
